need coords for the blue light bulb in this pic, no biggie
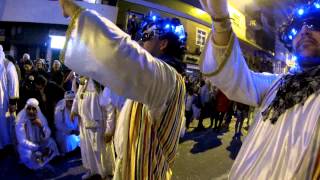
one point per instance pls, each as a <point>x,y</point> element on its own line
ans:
<point>182,37</point>
<point>154,18</point>
<point>294,58</point>
<point>300,12</point>
<point>290,37</point>
<point>294,32</point>
<point>167,26</point>
<point>317,5</point>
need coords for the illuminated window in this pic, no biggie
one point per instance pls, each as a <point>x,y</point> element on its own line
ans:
<point>201,37</point>
<point>57,42</point>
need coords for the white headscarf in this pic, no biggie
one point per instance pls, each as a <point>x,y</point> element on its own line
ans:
<point>22,117</point>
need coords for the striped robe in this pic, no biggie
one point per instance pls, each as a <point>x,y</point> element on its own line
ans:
<point>149,124</point>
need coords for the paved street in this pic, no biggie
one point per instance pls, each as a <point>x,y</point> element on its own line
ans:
<point>206,155</point>
<point>202,155</point>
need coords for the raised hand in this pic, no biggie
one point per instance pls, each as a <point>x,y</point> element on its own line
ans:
<point>216,8</point>
<point>68,7</point>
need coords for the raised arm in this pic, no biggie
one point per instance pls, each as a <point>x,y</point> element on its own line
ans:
<point>224,64</point>
<point>98,49</point>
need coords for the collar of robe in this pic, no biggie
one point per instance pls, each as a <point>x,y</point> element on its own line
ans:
<point>294,89</point>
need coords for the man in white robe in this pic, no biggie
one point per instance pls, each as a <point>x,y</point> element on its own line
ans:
<point>67,134</point>
<point>97,124</point>
<point>9,94</point>
<point>148,128</point>
<point>35,146</point>
<point>284,141</point>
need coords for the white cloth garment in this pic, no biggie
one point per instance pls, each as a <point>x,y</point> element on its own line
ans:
<point>122,65</point>
<point>97,119</point>
<point>284,150</point>
<point>9,89</point>
<point>33,139</point>
<point>66,141</point>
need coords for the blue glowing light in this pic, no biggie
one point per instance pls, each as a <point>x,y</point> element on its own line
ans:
<point>154,18</point>
<point>182,37</point>
<point>317,5</point>
<point>294,32</point>
<point>294,58</point>
<point>167,26</point>
<point>300,12</point>
<point>290,37</point>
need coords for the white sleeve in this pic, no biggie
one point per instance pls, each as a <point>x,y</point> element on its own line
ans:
<point>13,81</point>
<point>227,69</point>
<point>98,49</point>
<point>75,104</point>
<point>109,110</point>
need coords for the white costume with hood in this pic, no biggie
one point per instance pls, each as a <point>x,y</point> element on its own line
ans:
<point>9,89</point>
<point>32,138</point>
<point>67,142</point>
<point>97,119</point>
<point>287,149</point>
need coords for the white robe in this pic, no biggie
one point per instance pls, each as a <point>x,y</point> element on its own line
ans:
<point>97,121</point>
<point>30,138</point>
<point>284,150</point>
<point>100,50</point>
<point>67,142</point>
<point>9,89</point>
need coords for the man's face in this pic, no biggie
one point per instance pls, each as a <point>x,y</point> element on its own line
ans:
<point>39,87</point>
<point>31,112</point>
<point>56,66</point>
<point>152,46</point>
<point>39,65</point>
<point>27,68</point>
<point>307,44</point>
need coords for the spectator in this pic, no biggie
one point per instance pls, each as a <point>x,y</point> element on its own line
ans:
<point>67,134</point>
<point>48,94</point>
<point>56,73</point>
<point>35,146</point>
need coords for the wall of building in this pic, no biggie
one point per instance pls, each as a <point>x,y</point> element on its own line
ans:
<point>45,11</point>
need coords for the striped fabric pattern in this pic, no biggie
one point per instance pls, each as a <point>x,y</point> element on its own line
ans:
<point>153,146</point>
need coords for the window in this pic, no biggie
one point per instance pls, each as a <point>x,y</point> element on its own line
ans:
<point>201,37</point>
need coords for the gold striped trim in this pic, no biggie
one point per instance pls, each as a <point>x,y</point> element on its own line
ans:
<point>71,27</point>
<point>226,57</point>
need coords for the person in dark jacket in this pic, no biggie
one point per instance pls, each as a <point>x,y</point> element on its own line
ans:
<point>48,95</point>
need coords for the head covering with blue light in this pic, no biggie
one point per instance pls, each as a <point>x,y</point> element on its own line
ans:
<point>306,15</point>
<point>153,26</point>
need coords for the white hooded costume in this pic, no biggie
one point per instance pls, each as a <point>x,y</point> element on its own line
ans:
<point>287,149</point>
<point>9,89</point>
<point>97,120</point>
<point>66,140</point>
<point>32,139</point>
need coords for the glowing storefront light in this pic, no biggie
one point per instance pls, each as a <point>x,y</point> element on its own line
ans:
<point>57,42</point>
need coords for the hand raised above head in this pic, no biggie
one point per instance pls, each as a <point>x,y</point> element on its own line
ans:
<point>216,8</point>
<point>68,7</point>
